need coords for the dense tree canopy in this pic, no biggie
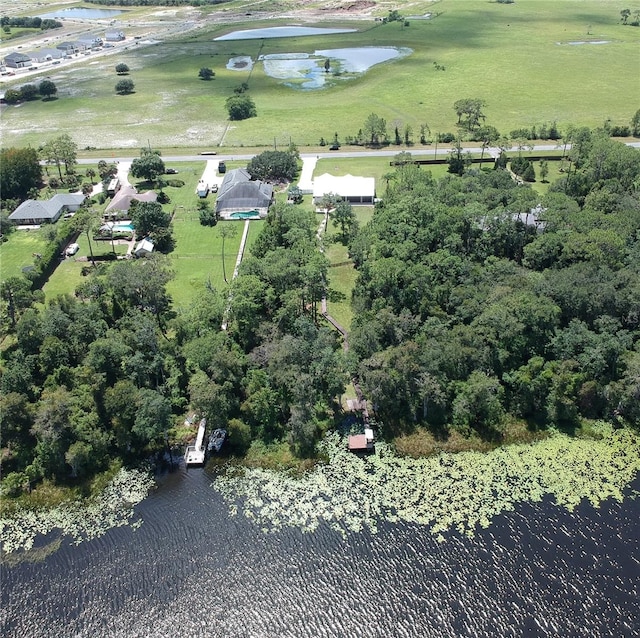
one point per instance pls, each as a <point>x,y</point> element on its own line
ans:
<point>21,172</point>
<point>273,166</point>
<point>477,303</point>
<point>148,166</point>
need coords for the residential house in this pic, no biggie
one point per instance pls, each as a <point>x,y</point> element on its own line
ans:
<point>122,199</point>
<point>17,60</point>
<point>91,41</point>
<point>35,212</point>
<point>69,48</point>
<point>356,190</point>
<point>240,197</point>
<point>45,55</point>
<point>114,36</point>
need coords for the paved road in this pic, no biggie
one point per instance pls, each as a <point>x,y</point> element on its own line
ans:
<point>429,152</point>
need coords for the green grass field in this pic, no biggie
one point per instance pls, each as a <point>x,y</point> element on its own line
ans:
<point>522,59</point>
<point>342,274</point>
<point>18,252</point>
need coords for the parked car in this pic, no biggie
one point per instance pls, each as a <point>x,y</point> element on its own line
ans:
<point>214,188</point>
<point>222,167</point>
<point>72,249</point>
<point>171,171</point>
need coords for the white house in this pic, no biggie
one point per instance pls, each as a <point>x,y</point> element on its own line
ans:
<point>356,190</point>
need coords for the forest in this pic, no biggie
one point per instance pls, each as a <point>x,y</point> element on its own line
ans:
<point>477,303</point>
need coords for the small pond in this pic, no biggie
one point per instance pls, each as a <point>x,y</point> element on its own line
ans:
<point>307,70</point>
<point>280,32</point>
<point>80,12</point>
<point>240,63</point>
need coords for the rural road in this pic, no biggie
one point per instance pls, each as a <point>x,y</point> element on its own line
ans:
<point>444,150</point>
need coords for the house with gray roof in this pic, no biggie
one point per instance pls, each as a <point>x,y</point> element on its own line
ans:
<point>17,60</point>
<point>122,199</point>
<point>45,55</point>
<point>114,36</point>
<point>35,212</point>
<point>69,48</point>
<point>239,196</point>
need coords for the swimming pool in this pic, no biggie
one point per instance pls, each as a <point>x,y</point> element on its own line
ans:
<point>122,228</point>
<point>249,214</point>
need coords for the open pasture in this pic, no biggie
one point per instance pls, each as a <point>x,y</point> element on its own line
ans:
<point>533,62</point>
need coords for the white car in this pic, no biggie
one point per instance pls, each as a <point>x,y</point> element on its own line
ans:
<point>72,249</point>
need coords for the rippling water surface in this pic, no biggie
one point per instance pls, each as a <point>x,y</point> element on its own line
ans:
<point>191,570</point>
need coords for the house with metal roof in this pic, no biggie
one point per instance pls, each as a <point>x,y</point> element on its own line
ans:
<point>356,190</point>
<point>240,197</point>
<point>35,212</point>
<point>17,60</point>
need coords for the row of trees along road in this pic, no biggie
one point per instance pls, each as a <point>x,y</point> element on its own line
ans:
<point>466,316</point>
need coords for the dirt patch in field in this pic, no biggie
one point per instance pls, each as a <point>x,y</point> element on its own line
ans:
<point>358,6</point>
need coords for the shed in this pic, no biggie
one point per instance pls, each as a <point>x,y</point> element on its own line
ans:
<point>143,248</point>
<point>240,194</point>
<point>356,190</point>
<point>362,442</point>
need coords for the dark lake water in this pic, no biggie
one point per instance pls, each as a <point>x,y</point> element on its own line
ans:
<point>191,570</point>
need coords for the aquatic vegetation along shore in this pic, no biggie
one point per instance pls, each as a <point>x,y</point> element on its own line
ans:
<point>80,520</point>
<point>447,492</point>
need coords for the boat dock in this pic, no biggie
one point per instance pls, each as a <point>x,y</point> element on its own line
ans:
<point>194,454</point>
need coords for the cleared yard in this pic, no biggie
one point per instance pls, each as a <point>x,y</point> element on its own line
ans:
<point>197,256</point>
<point>19,251</point>
<point>342,274</point>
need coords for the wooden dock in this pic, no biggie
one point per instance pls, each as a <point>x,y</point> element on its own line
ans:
<point>194,454</point>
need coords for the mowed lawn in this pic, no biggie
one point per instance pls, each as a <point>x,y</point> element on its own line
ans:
<point>342,274</point>
<point>197,257</point>
<point>18,252</point>
<point>532,62</point>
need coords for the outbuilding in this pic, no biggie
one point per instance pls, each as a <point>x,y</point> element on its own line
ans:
<point>356,190</point>
<point>362,443</point>
<point>143,248</point>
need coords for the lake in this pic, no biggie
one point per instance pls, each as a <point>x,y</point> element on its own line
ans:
<point>80,12</point>
<point>193,570</point>
<point>280,32</point>
<point>307,70</point>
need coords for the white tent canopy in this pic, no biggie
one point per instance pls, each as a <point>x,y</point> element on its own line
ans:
<point>357,190</point>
